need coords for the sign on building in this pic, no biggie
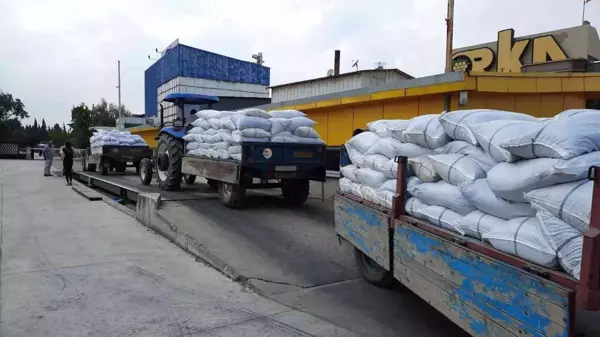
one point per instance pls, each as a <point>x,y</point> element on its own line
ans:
<point>509,54</point>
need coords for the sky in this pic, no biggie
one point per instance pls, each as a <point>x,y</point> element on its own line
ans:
<point>59,53</point>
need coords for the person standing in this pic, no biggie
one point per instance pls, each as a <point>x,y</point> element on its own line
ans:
<point>67,157</point>
<point>48,156</point>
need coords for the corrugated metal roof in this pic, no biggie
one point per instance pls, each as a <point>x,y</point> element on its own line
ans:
<point>400,72</point>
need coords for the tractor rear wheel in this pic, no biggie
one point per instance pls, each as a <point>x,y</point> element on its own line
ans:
<point>169,153</point>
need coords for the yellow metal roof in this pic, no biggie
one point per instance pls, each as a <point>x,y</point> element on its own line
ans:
<point>475,81</point>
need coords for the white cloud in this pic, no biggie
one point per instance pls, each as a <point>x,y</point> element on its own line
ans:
<point>54,54</point>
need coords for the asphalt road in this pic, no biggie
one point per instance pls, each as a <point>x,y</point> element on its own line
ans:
<point>294,257</point>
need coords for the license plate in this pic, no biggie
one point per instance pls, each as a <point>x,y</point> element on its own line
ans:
<point>303,154</point>
<point>291,168</point>
<point>129,163</point>
<point>284,175</point>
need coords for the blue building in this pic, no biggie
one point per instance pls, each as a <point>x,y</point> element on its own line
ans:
<point>184,69</point>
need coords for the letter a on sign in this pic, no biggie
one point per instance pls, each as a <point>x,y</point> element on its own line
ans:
<point>510,52</point>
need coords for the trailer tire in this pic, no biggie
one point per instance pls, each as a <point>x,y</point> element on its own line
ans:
<point>91,167</point>
<point>295,192</point>
<point>230,195</point>
<point>83,164</point>
<point>174,147</point>
<point>189,179</point>
<point>213,184</point>
<point>372,272</point>
<point>145,169</point>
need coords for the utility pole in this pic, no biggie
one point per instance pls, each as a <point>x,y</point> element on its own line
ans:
<point>119,84</point>
<point>449,36</point>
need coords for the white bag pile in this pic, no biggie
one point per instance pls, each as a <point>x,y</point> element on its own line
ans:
<point>115,138</point>
<point>219,134</point>
<point>513,180</point>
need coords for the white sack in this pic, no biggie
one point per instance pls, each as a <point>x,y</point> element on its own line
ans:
<point>234,149</point>
<point>442,217</point>
<point>443,194</point>
<point>413,207</point>
<point>356,190</point>
<point>426,131</point>
<point>477,223</point>
<point>198,121</point>
<point>522,237</point>
<point>191,146</point>
<point>380,128</point>
<point>565,240</point>
<point>252,133</point>
<point>363,141</point>
<point>236,156</point>
<point>457,124</point>
<point>345,185</point>
<point>240,122</point>
<point>254,112</point>
<point>238,138</point>
<point>286,113</point>
<point>376,161</point>
<point>456,168</point>
<point>571,202</point>
<point>390,185</point>
<point>476,152</point>
<point>215,123</point>
<point>490,135</point>
<point>392,148</point>
<point>369,194</point>
<point>578,167</point>
<point>206,114</point>
<point>423,168</point>
<point>306,132</point>
<point>575,112</point>
<point>479,195</point>
<point>279,125</point>
<point>385,198</point>
<point>197,130</point>
<point>355,156</point>
<point>349,172</point>
<point>371,178</point>
<point>511,180</point>
<point>562,138</point>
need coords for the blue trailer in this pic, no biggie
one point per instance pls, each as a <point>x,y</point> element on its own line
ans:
<point>289,166</point>
<point>484,291</point>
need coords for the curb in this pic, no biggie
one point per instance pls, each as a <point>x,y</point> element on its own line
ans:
<point>148,214</point>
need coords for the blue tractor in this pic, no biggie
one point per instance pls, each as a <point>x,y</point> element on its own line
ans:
<point>169,151</point>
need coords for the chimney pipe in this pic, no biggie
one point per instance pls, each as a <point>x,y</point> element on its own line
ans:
<point>336,63</point>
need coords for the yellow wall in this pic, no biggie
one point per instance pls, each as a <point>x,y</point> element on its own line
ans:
<point>336,124</point>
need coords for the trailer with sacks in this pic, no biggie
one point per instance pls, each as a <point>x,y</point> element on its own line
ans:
<point>112,150</point>
<point>236,151</point>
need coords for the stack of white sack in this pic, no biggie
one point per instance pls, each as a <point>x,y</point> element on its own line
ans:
<point>513,180</point>
<point>115,138</point>
<point>543,165</point>
<point>292,126</point>
<point>219,134</point>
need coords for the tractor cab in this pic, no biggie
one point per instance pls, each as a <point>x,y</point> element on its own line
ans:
<point>170,145</point>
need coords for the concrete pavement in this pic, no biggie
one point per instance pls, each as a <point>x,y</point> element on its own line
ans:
<point>73,267</point>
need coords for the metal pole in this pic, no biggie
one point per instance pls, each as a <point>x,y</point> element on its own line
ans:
<point>119,84</point>
<point>583,13</point>
<point>449,36</point>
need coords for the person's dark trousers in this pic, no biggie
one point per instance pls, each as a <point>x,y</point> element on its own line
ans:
<point>68,168</point>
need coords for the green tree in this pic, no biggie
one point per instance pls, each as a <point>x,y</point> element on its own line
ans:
<point>106,114</point>
<point>11,108</point>
<point>81,121</point>
<point>57,135</point>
